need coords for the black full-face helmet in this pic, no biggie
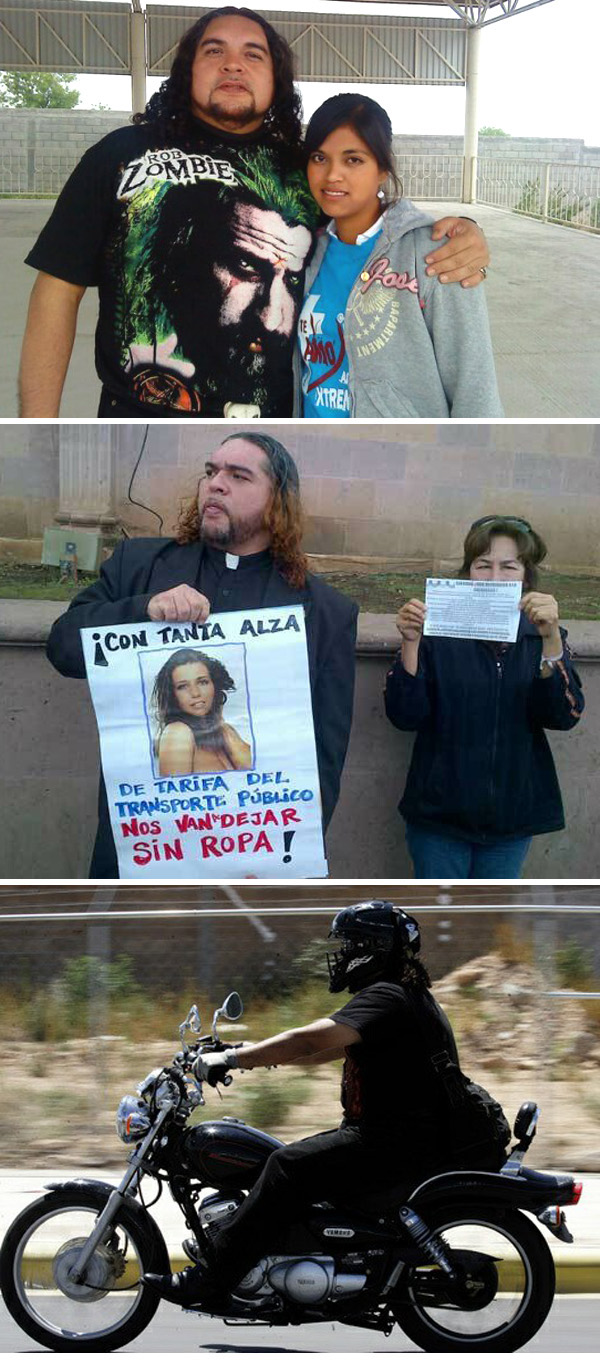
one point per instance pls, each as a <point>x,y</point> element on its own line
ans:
<point>376,939</point>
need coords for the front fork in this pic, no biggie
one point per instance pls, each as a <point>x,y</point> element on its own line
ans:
<point>116,1199</point>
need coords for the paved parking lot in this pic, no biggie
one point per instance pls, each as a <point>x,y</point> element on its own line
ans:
<point>543,295</point>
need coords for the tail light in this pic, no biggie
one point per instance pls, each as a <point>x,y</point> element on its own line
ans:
<point>577,1188</point>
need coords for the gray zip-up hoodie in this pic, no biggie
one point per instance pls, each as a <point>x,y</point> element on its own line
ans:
<point>415,347</point>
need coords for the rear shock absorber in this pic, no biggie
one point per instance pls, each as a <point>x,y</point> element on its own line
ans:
<point>428,1242</point>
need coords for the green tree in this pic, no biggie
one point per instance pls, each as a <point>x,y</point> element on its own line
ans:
<point>37,90</point>
<point>493,132</point>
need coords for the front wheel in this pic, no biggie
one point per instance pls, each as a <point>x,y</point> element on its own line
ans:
<point>110,1306</point>
<point>504,1289</point>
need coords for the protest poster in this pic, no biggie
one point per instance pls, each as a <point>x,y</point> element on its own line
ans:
<point>207,745</point>
<point>488,610</point>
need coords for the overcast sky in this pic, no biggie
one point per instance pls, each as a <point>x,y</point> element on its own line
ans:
<point>539,75</point>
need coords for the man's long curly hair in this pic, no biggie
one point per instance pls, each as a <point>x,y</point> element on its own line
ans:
<point>169,110</point>
<point>413,972</point>
<point>284,518</point>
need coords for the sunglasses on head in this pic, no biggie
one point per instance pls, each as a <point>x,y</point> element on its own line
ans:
<point>502,519</point>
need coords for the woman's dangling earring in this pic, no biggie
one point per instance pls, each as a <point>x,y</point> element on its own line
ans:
<point>381,192</point>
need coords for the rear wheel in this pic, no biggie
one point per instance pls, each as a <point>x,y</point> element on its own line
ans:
<point>110,1306</point>
<point>505,1289</point>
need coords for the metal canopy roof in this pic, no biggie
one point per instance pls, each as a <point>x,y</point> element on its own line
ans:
<point>476,13</point>
<point>353,48</point>
<point>77,36</point>
<point>65,35</point>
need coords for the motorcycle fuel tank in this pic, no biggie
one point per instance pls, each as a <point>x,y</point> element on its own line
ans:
<point>227,1152</point>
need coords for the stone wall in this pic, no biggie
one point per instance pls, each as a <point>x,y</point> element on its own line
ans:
<point>28,480</point>
<point>41,147</point>
<point>48,777</point>
<point>399,490</point>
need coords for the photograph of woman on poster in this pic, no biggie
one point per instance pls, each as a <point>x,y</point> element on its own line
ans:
<point>188,697</point>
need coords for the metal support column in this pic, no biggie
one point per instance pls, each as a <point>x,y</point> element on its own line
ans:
<point>138,59</point>
<point>471,117</point>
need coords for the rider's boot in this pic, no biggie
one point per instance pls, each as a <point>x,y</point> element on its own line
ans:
<point>187,1287</point>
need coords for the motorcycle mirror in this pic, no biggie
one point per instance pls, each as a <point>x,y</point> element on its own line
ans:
<point>233,1006</point>
<point>191,1022</point>
<point>231,1009</point>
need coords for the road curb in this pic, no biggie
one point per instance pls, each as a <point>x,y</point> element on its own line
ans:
<point>575,1274</point>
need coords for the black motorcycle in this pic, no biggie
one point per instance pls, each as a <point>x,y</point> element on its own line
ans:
<point>456,1264</point>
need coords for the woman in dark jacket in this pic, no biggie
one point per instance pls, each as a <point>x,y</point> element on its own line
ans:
<point>482,780</point>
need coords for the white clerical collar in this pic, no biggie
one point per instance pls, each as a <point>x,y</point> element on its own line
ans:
<point>364,235</point>
<point>231,561</point>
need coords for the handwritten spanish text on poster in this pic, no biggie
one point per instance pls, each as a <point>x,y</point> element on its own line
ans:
<point>472,609</point>
<point>207,745</point>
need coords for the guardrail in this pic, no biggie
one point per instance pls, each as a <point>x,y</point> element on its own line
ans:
<point>552,191</point>
<point>92,998</point>
<point>45,171</point>
<point>29,172</point>
<point>430,177</point>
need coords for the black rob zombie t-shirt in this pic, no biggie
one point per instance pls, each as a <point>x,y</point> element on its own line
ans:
<point>198,254</point>
<point>389,1087</point>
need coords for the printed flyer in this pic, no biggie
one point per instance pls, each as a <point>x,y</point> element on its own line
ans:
<point>488,610</point>
<point>207,745</point>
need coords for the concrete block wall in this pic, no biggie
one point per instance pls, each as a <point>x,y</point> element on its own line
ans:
<point>49,770</point>
<point>40,148</point>
<point>28,480</point>
<point>400,490</point>
<point>569,149</point>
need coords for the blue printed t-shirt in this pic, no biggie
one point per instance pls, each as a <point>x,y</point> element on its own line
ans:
<point>325,371</point>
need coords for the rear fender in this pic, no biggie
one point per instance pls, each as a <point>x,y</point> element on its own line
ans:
<point>531,1190</point>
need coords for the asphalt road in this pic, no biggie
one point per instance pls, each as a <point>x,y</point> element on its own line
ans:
<point>572,1328</point>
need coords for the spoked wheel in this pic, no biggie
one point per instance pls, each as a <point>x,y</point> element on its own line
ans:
<point>504,1291</point>
<point>106,1309</point>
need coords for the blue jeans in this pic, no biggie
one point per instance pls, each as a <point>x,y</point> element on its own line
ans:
<point>438,856</point>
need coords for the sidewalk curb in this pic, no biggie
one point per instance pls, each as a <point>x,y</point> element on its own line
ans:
<point>579,1274</point>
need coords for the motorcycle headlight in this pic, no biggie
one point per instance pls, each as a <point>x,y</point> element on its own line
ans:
<point>133,1120</point>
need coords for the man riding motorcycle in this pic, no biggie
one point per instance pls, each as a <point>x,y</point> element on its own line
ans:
<point>395,1123</point>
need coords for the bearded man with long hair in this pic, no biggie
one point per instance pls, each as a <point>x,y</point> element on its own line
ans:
<point>238,546</point>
